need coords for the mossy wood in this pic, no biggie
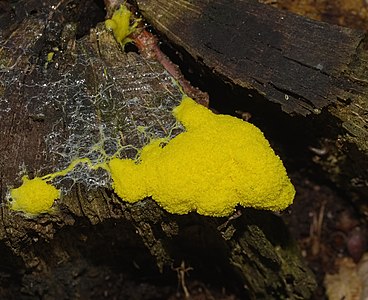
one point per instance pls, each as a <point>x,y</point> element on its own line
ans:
<point>271,60</point>
<point>94,245</point>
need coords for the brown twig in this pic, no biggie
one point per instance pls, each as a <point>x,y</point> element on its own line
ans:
<point>181,271</point>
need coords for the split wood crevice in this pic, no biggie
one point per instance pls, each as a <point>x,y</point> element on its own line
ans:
<point>315,72</point>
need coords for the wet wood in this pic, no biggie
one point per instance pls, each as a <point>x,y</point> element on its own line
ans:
<point>64,96</point>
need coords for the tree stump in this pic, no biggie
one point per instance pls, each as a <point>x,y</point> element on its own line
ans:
<point>66,94</point>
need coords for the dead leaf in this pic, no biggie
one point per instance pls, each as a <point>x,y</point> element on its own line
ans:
<point>346,283</point>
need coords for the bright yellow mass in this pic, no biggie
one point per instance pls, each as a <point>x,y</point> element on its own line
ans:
<point>217,163</point>
<point>34,196</point>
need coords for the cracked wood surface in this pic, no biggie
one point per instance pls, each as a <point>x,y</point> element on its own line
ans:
<point>92,235</point>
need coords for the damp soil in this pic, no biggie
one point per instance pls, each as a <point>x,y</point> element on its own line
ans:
<point>347,13</point>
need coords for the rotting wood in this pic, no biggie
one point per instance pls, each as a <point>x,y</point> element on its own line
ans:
<point>309,68</point>
<point>94,244</point>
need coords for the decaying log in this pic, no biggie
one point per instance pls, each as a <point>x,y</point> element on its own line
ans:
<point>64,96</point>
<point>314,72</point>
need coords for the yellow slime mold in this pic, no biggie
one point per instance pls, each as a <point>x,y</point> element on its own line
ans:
<point>217,163</point>
<point>120,25</point>
<point>34,196</point>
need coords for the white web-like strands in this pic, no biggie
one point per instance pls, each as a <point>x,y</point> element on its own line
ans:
<point>96,111</point>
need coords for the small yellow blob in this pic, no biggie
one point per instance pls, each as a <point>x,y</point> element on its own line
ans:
<point>217,163</point>
<point>34,196</point>
<point>120,25</point>
<point>50,56</point>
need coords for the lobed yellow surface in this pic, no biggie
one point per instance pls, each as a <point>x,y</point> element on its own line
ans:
<point>217,163</point>
<point>120,25</point>
<point>34,196</point>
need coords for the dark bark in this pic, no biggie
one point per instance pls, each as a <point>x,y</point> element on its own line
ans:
<point>315,73</point>
<point>95,245</point>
